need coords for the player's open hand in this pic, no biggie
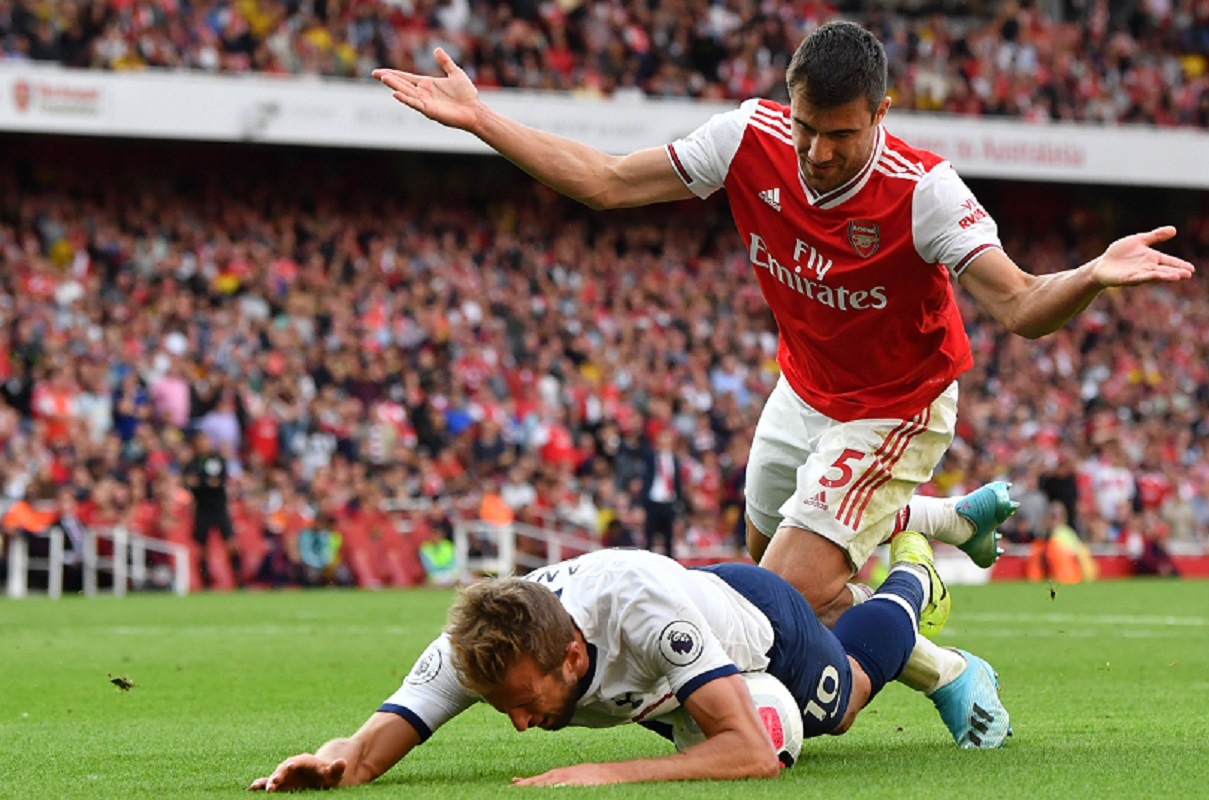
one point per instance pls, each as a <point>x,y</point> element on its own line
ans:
<point>1133,260</point>
<point>452,100</point>
<point>302,772</point>
<point>578,775</point>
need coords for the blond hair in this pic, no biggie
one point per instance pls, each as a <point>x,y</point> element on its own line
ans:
<point>495,622</point>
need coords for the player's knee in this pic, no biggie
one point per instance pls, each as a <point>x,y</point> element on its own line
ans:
<point>827,594</point>
<point>815,566</point>
<point>820,589</point>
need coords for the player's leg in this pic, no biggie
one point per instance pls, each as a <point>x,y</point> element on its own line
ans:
<point>781,443</point>
<point>963,687</point>
<point>757,540</point>
<point>817,567</point>
<point>849,493</point>
<point>784,440</point>
<point>911,547</point>
<point>969,522</point>
<point>805,655</point>
<point>880,635</point>
<point>846,496</point>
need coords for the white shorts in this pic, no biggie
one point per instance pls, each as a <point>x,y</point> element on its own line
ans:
<point>845,481</point>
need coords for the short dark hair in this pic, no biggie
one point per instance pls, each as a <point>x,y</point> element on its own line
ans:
<point>838,63</point>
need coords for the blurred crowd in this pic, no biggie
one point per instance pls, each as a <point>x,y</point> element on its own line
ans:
<point>1099,61</point>
<point>377,363</point>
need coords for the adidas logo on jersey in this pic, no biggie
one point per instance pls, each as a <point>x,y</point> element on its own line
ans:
<point>772,197</point>
<point>818,501</point>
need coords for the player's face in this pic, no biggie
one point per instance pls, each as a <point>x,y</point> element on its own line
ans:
<point>833,144</point>
<point>535,699</point>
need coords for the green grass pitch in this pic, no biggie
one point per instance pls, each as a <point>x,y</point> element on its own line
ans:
<point>1108,685</point>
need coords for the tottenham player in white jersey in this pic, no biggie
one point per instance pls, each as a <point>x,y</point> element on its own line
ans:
<point>629,636</point>
<point>855,238</point>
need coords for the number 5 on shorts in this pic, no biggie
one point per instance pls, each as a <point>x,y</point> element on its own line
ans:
<point>844,467</point>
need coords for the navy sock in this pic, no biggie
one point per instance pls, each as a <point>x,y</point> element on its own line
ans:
<point>905,585</point>
<point>880,633</point>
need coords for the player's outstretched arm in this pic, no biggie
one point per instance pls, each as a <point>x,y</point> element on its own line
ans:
<point>380,743</point>
<point>736,746</point>
<point>583,173</point>
<point>1035,305</point>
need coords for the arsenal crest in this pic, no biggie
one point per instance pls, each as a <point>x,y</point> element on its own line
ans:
<point>864,236</point>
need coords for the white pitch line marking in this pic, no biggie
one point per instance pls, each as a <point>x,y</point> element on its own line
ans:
<point>1086,619</point>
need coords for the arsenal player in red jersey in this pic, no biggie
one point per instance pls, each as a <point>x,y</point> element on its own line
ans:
<point>855,238</point>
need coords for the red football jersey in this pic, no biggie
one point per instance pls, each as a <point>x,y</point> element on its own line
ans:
<point>858,279</point>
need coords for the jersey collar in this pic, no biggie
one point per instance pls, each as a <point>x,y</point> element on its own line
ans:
<point>855,183</point>
<point>585,683</point>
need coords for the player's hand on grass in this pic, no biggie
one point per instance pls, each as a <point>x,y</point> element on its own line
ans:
<point>1132,260</point>
<point>302,772</point>
<point>452,100</point>
<point>578,775</point>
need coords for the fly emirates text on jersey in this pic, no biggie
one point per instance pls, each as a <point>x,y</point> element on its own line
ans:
<point>837,297</point>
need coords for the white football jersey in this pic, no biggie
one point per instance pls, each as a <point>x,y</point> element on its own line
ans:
<point>655,633</point>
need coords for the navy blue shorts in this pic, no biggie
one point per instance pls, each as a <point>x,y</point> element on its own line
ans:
<point>805,655</point>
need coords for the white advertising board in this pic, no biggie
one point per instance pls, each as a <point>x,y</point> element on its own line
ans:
<point>343,113</point>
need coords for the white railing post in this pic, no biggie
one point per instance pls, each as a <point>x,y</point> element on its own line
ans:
<point>54,564</point>
<point>461,547</point>
<point>180,576</point>
<point>138,562</point>
<point>121,560</point>
<point>506,560</point>
<point>18,566</point>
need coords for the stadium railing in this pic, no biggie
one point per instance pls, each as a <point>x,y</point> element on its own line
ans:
<point>486,548</point>
<point>127,565</point>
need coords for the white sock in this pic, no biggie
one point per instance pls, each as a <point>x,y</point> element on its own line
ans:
<point>931,666</point>
<point>937,518</point>
<point>860,593</point>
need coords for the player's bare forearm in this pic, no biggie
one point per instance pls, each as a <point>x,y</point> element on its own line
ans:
<point>583,173</point>
<point>727,756</point>
<point>1051,301</point>
<point>1033,306</point>
<point>380,743</point>
<point>1028,305</point>
<point>736,746</point>
<point>722,757</point>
